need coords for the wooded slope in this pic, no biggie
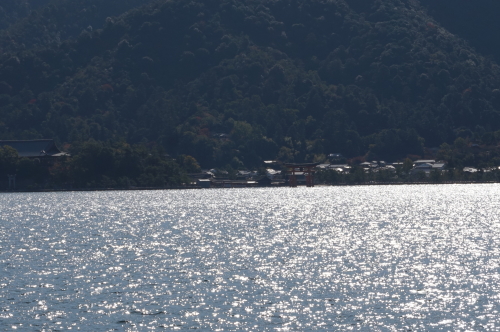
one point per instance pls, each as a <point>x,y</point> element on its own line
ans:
<point>237,82</point>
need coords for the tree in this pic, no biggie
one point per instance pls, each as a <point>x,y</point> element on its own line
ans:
<point>407,165</point>
<point>188,163</point>
<point>9,160</point>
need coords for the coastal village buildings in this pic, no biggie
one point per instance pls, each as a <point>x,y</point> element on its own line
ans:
<point>427,166</point>
<point>275,174</point>
<point>340,168</point>
<point>42,149</point>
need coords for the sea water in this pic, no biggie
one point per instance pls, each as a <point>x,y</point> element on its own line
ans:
<point>363,258</point>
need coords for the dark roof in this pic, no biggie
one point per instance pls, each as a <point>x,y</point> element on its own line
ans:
<point>35,148</point>
<point>302,165</point>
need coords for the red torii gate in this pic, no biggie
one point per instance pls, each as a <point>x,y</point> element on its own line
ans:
<point>308,169</point>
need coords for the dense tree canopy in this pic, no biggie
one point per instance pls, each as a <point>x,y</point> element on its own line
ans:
<point>475,21</point>
<point>233,83</point>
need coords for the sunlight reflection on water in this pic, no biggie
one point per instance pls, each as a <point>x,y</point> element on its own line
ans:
<point>372,258</point>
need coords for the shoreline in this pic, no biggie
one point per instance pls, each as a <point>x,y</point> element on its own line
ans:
<point>254,187</point>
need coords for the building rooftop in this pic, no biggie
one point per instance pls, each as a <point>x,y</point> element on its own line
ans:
<point>424,161</point>
<point>35,148</point>
<point>302,165</point>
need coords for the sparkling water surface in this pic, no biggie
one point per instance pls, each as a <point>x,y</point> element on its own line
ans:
<point>364,258</point>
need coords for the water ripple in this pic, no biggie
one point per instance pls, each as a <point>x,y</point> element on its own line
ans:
<point>386,258</point>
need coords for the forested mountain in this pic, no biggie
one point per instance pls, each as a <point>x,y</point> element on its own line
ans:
<point>40,23</point>
<point>475,21</point>
<point>12,11</point>
<point>233,83</point>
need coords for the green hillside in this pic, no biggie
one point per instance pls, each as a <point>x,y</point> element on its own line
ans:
<point>475,21</point>
<point>12,11</point>
<point>39,23</point>
<point>234,83</point>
